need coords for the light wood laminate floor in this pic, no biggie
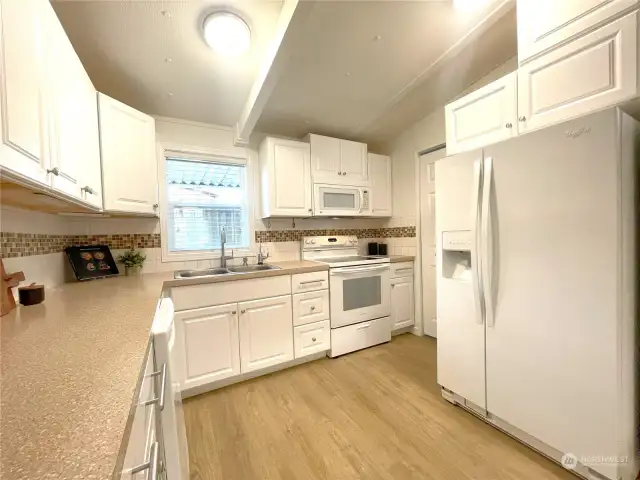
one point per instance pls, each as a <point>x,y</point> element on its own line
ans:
<point>373,414</point>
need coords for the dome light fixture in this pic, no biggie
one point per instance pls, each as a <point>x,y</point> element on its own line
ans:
<point>227,34</point>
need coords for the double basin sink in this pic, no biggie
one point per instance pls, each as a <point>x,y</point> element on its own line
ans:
<point>211,272</point>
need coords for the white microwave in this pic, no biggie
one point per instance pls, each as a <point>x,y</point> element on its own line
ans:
<point>341,201</point>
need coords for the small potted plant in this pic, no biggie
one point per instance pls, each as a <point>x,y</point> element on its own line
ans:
<point>133,261</point>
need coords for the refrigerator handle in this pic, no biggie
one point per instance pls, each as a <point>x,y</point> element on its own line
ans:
<point>475,235</point>
<point>487,241</point>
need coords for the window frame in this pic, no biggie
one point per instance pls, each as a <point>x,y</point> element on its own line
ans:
<point>191,153</point>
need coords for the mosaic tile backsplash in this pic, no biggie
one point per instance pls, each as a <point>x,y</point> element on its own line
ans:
<point>28,244</point>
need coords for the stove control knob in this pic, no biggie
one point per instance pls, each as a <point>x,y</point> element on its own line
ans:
<point>313,242</point>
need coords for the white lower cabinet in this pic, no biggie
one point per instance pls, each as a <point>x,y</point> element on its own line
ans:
<point>312,338</point>
<point>266,332</point>
<point>401,302</point>
<point>310,307</point>
<point>209,344</point>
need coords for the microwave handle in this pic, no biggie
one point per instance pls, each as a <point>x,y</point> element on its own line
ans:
<point>360,199</point>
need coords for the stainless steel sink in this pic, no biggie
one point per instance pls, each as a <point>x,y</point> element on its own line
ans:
<point>209,272</point>
<point>252,268</point>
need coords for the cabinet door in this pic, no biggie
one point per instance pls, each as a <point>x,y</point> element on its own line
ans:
<point>594,72</point>
<point>129,163</point>
<point>65,84</point>
<point>545,23</point>
<point>266,332</point>
<point>353,163</point>
<point>485,116</point>
<point>208,344</point>
<point>380,176</point>
<point>401,303</point>
<point>289,179</point>
<point>23,118</point>
<point>325,159</point>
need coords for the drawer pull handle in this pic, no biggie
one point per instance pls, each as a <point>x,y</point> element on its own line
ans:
<point>523,118</point>
<point>313,338</point>
<point>243,311</point>
<point>362,327</point>
<point>233,312</point>
<point>403,269</point>
<point>311,281</point>
<point>163,386</point>
<point>151,465</point>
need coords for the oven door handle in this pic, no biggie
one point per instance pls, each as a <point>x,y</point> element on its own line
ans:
<point>350,270</point>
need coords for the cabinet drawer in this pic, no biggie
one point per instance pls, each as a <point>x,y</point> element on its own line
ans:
<point>312,338</point>
<point>361,335</point>
<point>404,269</point>
<point>209,294</point>
<point>310,307</point>
<point>591,73</point>
<point>307,282</point>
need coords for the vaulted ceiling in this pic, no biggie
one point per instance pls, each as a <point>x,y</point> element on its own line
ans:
<point>358,69</point>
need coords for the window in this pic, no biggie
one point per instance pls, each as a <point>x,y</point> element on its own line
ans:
<point>202,197</point>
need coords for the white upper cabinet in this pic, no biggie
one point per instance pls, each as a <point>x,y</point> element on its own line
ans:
<point>543,24</point>
<point>353,163</point>
<point>380,177</point>
<point>285,175</point>
<point>208,345</point>
<point>595,71</point>
<point>129,163</point>
<point>23,116</point>
<point>75,147</point>
<point>266,333</point>
<point>338,162</point>
<point>485,116</point>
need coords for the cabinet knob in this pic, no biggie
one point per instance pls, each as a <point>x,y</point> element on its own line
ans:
<point>233,312</point>
<point>55,171</point>
<point>344,173</point>
<point>339,173</point>
<point>89,190</point>
<point>509,125</point>
<point>392,285</point>
<point>313,339</point>
<point>523,118</point>
<point>313,308</point>
<point>242,311</point>
<point>155,205</point>
<point>310,210</point>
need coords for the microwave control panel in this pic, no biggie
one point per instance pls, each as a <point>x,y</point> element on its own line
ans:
<point>365,200</point>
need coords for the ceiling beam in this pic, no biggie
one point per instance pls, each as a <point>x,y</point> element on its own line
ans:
<point>291,21</point>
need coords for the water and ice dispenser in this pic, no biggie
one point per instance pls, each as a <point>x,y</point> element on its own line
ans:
<point>456,255</point>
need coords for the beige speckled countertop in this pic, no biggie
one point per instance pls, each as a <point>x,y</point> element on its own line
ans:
<point>69,370</point>
<point>401,258</point>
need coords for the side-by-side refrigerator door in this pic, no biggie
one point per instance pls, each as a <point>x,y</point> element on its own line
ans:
<point>550,285</point>
<point>460,308</point>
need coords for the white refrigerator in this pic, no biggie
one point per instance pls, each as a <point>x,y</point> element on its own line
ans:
<point>537,279</point>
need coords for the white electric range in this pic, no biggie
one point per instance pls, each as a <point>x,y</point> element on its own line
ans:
<point>359,289</point>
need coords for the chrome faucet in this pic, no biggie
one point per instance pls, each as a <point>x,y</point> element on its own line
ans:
<point>223,241</point>
<point>261,256</point>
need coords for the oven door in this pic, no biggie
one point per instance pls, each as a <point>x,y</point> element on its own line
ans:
<point>332,200</point>
<point>359,294</point>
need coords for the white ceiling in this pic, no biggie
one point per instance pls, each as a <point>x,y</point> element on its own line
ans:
<point>124,46</point>
<point>342,80</point>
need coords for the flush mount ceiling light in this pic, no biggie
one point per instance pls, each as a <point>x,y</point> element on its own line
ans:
<point>227,34</point>
<point>469,5</point>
